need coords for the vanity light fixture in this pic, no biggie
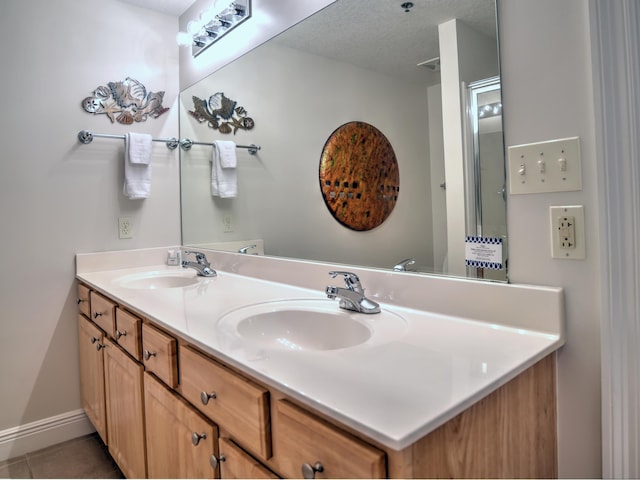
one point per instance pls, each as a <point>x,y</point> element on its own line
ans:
<point>213,24</point>
<point>490,110</point>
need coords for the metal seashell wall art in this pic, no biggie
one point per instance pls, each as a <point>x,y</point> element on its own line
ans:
<point>221,113</point>
<point>128,99</point>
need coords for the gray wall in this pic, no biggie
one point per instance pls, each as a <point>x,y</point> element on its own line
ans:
<point>59,197</point>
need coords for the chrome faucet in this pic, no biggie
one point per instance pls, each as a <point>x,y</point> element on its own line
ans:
<point>352,295</point>
<point>402,266</point>
<point>201,265</point>
<point>246,248</point>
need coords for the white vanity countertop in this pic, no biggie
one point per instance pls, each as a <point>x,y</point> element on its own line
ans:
<point>394,391</point>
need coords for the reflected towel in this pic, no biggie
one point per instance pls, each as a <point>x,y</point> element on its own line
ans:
<point>224,177</point>
<point>137,165</point>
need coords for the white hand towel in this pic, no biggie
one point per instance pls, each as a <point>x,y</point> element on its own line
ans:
<point>137,165</point>
<point>224,176</point>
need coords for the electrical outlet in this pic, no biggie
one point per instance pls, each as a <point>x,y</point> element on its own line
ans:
<point>125,227</point>
<point>567,232</point>
<point>227,223</point>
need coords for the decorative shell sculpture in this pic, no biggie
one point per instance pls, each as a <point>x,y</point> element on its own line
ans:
<point>128,99</point>
<point>221,113</point>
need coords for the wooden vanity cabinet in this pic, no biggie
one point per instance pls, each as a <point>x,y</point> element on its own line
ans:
<point>91,342</point>
<point>159,352</point>
<point>125,410</point>
<point>238,405</point>
<point>306,445</point>
<point>111,384</point>
<point>196,416</point>
<point>181,442</point>
<point>236,463</point>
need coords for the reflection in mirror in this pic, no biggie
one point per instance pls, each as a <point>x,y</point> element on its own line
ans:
<point>409,74</point>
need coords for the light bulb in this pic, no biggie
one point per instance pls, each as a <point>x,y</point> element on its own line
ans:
<point>184,39</point>
<point>194,27</point>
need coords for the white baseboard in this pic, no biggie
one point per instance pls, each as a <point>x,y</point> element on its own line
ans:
<point>43,433</point>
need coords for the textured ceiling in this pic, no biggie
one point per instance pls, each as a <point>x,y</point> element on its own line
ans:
<point>379,35</point>
<point>170,7</point>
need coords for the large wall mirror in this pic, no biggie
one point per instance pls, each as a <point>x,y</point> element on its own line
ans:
<point>425,74</point>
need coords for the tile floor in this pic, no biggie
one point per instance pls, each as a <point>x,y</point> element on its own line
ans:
<point>83,457</point>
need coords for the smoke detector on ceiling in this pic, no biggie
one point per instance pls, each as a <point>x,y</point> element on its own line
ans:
<point>433,64</point>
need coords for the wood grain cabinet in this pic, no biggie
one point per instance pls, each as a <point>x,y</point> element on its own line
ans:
<point>181,442</point>
<point>91,342</point>
<point>166,409</point>
<point>308,446</point>
<point>125,414</point>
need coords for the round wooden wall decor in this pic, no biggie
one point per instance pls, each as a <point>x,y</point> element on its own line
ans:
<point>359,176</point>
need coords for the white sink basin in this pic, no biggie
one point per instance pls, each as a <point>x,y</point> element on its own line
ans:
<point>159,279</point>
<point>309,324</point>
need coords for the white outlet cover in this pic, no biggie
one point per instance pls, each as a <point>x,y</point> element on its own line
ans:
<point>579,252</point>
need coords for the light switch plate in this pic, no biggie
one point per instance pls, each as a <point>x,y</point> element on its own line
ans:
<point>567,232</point>
<point>543,167</point>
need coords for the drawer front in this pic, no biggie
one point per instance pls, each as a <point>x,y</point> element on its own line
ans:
<point>236,463</point>
<point>238,405</point>
<point>83,300</point>
<point>103,313</point>
<point>301,439</point>
<point>128,333</point>
<point>159,354</point>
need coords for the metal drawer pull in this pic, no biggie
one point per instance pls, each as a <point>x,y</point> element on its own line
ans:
<point>214,461</point>
<point>204,397</point>
<point>94,339</point>
<point>97,314</point>
<point>80,300</point>
<point>100,346</point>
<point>148,354</point>
<point>120,334</point>
<point>196,437</point>
<point>309,471</point>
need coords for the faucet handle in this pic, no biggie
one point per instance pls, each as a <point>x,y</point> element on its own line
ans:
<point>246,248</point>
<point>351,280</point>
<point>200,257</point>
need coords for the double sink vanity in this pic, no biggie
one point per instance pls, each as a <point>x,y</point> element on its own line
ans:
<point>256,373</point>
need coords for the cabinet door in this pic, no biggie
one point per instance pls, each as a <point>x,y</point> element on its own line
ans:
<point>180,441</point>
<point>236,463</point>
<point>125,414</point>
<point>91,341</point>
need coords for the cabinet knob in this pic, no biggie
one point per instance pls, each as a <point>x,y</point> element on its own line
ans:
<point>196,437</point>
<point>97,314</point>
<point>204,397</point>
<point>100,346</point>
<point>147,354</point>
<point>215,461</point>
<point>94,339</point>
<point>120,334</point>
<point>309,471</point>
<point>79,301</point>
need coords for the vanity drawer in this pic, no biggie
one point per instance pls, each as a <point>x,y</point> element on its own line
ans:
<point>301,438</point>
<point>159,354</point>
<point>236,463</point>
<point>238,405</point>
<point>128,329</point>
<point>83,301</point>
<point>103,313</point>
